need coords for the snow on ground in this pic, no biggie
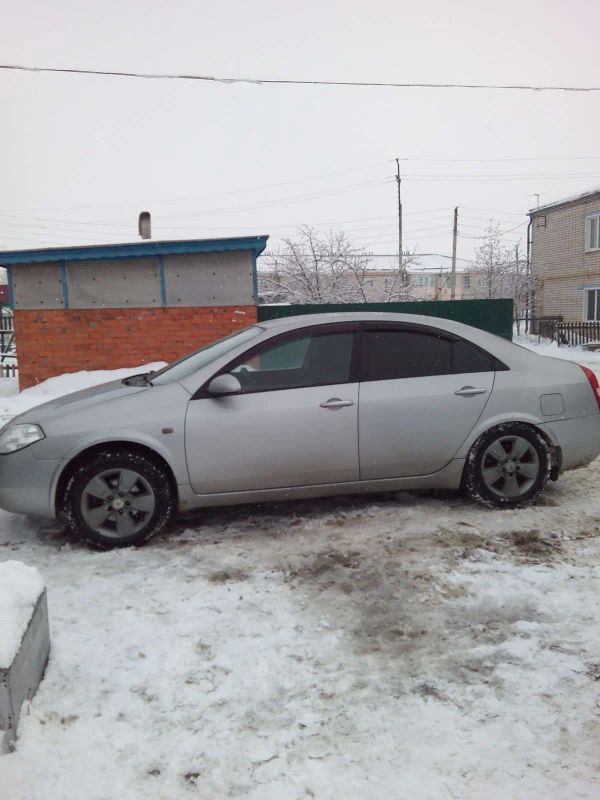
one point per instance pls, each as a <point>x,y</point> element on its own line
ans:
<point>20,588</point>
<point>396,646</point>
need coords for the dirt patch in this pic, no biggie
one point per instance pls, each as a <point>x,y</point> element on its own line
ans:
<point>429,691</point>
<point>535,546</point>
<point>529,546</point>
<point>231,575</point>
<point>323,563</point>
<point>593,672</point>
<point>591,532</point>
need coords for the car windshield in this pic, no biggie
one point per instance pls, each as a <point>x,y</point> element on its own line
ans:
<point>187,365</point>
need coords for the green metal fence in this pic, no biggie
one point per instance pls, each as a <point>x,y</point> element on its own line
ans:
<point>494,316</point>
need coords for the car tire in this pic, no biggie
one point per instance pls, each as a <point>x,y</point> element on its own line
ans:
<point>118,499</point>
<point>508,466</point>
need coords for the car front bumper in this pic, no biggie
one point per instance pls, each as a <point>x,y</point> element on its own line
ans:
<point>27,483</point>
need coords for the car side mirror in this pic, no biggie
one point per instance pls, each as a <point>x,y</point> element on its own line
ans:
<point>224,384</point>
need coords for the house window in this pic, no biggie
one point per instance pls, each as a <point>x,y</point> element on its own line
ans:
<point>467,281</point>
<point>423,281</point>
<point>592,305</point>
<point>592,232</point>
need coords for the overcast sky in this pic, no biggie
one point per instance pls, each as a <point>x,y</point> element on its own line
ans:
<point>82,155</point>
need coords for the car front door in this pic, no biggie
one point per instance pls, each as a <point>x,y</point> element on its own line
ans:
<point>421,393</point>
<point>294,423</point>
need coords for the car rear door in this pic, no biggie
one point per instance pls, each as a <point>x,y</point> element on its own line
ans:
<point>421,393</point>
<point>294,423</point>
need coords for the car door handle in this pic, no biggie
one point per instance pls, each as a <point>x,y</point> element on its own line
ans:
<point>469,391</point>
<point>335,402</point>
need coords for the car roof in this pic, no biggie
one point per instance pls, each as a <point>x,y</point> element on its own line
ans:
<point>303,320</point>
<point>511,354</point>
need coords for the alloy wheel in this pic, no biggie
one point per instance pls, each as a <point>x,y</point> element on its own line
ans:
<point>117,503</point>
<point>510,466</point>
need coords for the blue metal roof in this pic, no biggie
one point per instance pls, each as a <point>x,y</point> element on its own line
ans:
<point>255,244</point>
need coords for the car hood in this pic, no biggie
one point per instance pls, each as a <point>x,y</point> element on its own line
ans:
<point>80,400</point>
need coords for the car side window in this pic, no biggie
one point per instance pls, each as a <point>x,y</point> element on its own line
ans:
<point>312,359</point>
<point>392,354</point>
<point>402,353</point>
<point>468,358</point>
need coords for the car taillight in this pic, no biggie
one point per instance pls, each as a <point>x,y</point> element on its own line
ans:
<point>591,376</point>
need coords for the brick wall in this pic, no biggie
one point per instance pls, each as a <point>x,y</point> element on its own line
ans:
<point>560,262</point>
<point>53,341</point>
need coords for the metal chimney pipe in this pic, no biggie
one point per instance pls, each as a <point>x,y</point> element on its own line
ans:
<point>144,225</point>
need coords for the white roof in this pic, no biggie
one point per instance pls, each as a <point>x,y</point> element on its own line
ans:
<point>571,199</point>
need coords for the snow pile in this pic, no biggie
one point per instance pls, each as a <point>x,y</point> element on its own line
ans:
<point>20,587</point>
<point>12,402</point>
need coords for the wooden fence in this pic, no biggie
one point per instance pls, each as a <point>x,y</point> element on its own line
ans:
<point>545,326</point>
<point>8,353</point>
<point>575,333</point>
<point>9,371</point>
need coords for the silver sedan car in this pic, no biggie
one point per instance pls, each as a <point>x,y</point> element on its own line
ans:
<point>303,407</point>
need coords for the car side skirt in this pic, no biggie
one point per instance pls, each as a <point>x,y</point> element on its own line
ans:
<point>447,478</point>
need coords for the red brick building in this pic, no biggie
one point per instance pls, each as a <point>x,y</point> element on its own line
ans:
<point>110,306</point>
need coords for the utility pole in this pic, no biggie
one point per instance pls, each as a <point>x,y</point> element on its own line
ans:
<point>517,289</point>
<point>454,238</point>
<point>403,281</point>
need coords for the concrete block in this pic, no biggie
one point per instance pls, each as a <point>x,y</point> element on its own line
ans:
<point>114,283</point>
<point>37,286</point>
<point>209,279</point>
<point>20,680</point>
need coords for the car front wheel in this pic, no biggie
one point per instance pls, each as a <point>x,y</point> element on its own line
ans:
<point>508,466</point>
<point>118,499</point>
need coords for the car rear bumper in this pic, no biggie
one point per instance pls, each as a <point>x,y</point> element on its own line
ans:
<point>578,440</point>
<point>26,483</point>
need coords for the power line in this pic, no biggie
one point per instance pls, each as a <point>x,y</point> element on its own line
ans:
<point>146,201</point>
<point>490,160</point>
<point>495,211</point>
<point>20,217</point>
<point>269,254</point>
<point>371,184</point>
<point>296,82</point>
<point>486,178</point>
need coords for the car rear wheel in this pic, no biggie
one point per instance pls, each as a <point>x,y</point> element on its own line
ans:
<point>118,499</point>
<point>508,466</point>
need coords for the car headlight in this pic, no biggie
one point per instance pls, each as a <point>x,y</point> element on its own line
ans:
<point>16,437</point>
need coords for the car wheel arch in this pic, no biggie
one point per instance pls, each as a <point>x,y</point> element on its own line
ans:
<point>113,446</point>
<point>473,482</point>
<point>505,419</point>
<point>497,426</point>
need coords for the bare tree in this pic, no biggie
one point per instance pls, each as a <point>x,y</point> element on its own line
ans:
<point>522,285</point>
<point>498,273</point>
<point>317,267</point>
<point>398,286</point>
<point>492,266</point>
